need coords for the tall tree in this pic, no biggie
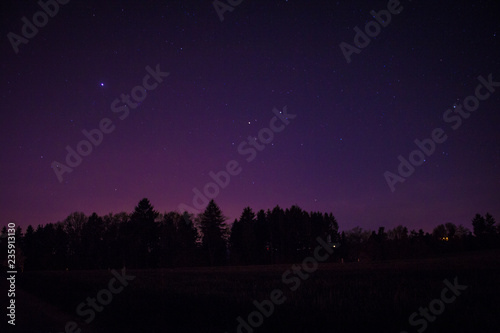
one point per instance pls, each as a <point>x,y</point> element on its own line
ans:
<point>93,242</point>
<point>479,225</point>
<point>143,234</point>
<point>451,230</point>
<point>236,243</point>
<point>277,241</point>
<point>262,238</point>
<point>331,227</point>
<point>214,233</point>
<point>116,239</point>
<point>73,225</point>
<point>187,239</point>
<point>298,233</point>
<point>167,241</point>
<point>242,239</point>
<point>490,224</point>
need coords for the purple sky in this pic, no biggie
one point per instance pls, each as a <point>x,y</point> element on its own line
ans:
<point>352,120</point>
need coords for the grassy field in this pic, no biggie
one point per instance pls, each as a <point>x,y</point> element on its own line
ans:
<point>352,297</point>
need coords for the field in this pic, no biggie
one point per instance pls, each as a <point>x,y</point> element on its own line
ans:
<point>351,297</point>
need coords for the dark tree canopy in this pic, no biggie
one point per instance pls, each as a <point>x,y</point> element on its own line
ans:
<point>146,239</point>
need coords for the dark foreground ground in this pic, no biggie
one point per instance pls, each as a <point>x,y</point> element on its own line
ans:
<point>353,297</point>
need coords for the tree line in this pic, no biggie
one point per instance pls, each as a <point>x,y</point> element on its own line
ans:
<point>147,239</point>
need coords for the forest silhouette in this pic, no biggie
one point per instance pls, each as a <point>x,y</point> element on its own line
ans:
<point>147,239</point>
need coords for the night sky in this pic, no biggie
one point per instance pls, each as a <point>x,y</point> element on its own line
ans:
<point>347,123</point>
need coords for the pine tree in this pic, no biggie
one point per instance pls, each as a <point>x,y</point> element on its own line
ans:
<point>242,240</point>
<point>214,233</point>
<point>479,225</point>
<point>489,221</point>
<point>143,233</point>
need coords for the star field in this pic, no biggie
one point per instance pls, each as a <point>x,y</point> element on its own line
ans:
<point>352,121</point>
